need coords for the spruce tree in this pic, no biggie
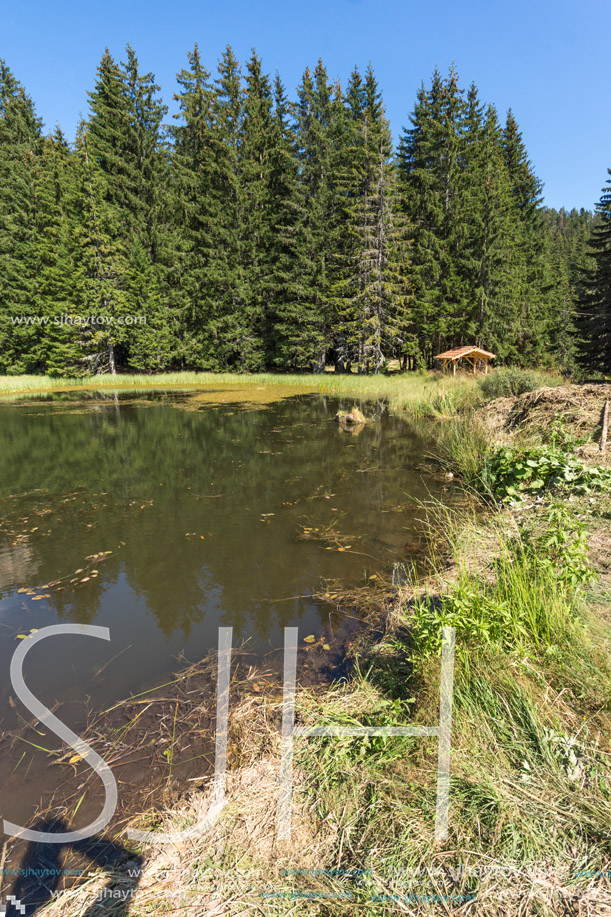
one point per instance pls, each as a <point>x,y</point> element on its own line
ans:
<point>595,306</point>
<point>305,319</point>
<point>125,163</point>
<point>259,213</point>
<point>195,210</point>
<point>368,293</point>
<point>489,259</point>
<point>531,332</point>
<point>153,345</point>
<point>233,337</point>
<point>259,233</point>
<point>566,254</point>
<point>283,183</point>
<point>103,264</point>
<point>57,278</point>
<point>431,164</point>
<point>20,145</point>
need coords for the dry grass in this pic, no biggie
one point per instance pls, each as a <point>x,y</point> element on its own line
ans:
<point>531,765</point>
<point>518,841</point>
<point>577,408</point>
<point>530,791</point>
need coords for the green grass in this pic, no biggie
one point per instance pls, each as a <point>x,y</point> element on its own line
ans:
<point>463,447</point>
<point>527,597</point>
<point>515,473</point>
<point>427,394</point>
<point>512,380</point>
<point>530,773</point>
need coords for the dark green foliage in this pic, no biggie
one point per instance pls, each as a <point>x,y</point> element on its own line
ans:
<point>566,241</point>
<point>305,313</point>
<point>57,278</point>
<point>429,171</point>
<point>369,290</point>
<point>514,474</point>
<point>20,147</point>
<point>533,316</point>
<point>124,160</point>
<point>595,306</point>
<point>472,201</point>
<point>256,233</point>
<point>195,207</point>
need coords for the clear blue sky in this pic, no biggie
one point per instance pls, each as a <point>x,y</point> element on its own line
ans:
<point>547,59</point>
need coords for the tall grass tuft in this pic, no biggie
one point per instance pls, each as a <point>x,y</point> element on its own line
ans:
<point>528,597</point>
<point>463,446</point>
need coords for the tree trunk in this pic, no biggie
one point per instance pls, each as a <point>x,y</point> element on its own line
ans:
<point>111,358</point>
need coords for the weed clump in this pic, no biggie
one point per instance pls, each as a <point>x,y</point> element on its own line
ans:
<point>512,381</point>
<point>528,602</point>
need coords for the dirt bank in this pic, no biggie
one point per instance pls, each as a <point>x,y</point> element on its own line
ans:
<point>576,407</point>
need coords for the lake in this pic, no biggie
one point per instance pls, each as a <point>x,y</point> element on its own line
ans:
<point>167,514</point>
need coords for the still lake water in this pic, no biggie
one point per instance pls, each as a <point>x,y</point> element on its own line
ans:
<point>165,515</point>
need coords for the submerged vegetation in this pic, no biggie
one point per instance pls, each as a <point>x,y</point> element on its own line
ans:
<point>416,393</point>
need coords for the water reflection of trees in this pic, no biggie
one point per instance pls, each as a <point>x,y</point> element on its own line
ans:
<point>148,483</point>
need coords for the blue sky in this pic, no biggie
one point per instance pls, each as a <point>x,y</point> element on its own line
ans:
<point>544,58</point>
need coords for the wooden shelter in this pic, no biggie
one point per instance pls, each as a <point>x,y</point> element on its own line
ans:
<point>473,355</point>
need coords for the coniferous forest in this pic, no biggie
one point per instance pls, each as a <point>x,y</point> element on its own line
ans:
<point>254,230</point>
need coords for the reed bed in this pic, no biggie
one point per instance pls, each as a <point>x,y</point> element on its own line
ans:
<point>426,393</point>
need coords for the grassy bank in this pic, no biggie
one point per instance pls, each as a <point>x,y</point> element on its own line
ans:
<point>530,768</point>
<point>414,393</point>
<point>524,578</point>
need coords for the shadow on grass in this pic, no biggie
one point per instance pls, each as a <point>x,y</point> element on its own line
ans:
<point>44,866</point>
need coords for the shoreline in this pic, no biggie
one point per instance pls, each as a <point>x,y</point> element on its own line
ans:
<point>532,720</point>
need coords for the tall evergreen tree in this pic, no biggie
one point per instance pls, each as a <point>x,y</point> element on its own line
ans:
<point>283,179</point>
<point>57,278</point>
<point>260,233</point>
<point>431,162</point>
<point>489,245</point>
<point>103,265</point>
<point>233,337</point>
<point>258,213</point>
<point>368,293</point>
<point>531,331</point>
<point>125,150</point>
<point>595,307</point>
<point>20,145</point>
<point>478,262</point>
<point>566,246</point>
<point>196,209</point>
<point>304,327</point>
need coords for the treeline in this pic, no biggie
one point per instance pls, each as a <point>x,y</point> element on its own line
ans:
<point>255,232</point>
